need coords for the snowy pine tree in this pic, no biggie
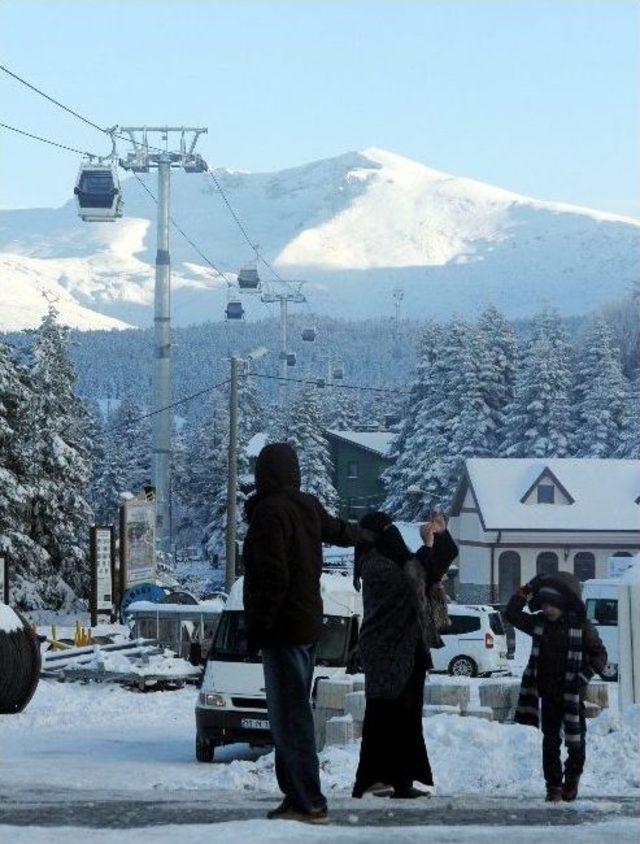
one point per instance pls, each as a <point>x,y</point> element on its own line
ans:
<point>498,364</point>
<point>403,479</point>
<point>343,412</point>
<point>59,460</point>
<point>28,560</point>
<point>306,435</point>
<point>600,394</point>
<point>127,460</point>
<point>629,443</point>
<point>539,418</point>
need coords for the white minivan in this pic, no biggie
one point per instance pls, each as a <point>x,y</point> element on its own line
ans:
<point>475,643</point>
<point>601,600</point>
<point>231,704</point>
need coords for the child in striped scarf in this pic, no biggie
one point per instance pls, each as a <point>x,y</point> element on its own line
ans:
<point>566,651</point>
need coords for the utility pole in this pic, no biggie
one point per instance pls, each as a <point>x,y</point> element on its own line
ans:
<point>232,474</point>
<point>287,291</point>
<point>141,160</point>
<point>232,481</point>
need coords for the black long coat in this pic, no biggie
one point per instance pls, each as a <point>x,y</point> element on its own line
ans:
<point>392,628</point>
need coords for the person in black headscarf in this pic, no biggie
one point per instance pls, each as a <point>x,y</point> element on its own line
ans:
<point>397,633</point>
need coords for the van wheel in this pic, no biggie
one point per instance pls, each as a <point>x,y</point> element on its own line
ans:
<point>610,672</point>
<point>205,750</point>
<point>463,666</point>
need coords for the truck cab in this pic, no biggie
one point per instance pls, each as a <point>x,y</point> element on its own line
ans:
<point>231,705</point>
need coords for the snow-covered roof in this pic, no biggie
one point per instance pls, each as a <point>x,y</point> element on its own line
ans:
<point>256,444</point>
<point>604,493</point>
<point>379,442</point>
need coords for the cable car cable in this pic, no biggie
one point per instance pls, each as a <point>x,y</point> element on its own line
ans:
<point>46,140</point>
<point>179,229</point>
<point>53,100</point>
<point>393,390</point>
<point>173,404</point>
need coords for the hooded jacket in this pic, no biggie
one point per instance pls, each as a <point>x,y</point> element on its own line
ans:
<point>554,645</point>
<point>282,553</point>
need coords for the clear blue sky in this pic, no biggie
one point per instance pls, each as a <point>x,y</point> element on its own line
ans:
<point>538,97</point>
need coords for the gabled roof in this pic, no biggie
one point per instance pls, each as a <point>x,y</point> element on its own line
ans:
<point>376,442</point>
<point>547,475</point>
<point>604,493</point>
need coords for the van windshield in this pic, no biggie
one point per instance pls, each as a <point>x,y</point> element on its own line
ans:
<point>602,611</point>
<point>230,643</point>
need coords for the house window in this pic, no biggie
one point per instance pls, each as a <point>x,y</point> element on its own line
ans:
<point>352,469</point>
<point>546,494</point>
<point>508,575</point>
<point>547,563</point>
<point>584,566</point>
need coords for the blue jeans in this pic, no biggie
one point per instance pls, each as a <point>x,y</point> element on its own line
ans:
<point>288,675</point>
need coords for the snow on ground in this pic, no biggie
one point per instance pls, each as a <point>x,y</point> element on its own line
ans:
<point>623,831</point>
<point>78,735</point>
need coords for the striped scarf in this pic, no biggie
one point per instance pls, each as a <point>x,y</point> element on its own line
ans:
<point>527,711</point>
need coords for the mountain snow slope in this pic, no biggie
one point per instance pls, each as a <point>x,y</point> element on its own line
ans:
<point>354,226</point>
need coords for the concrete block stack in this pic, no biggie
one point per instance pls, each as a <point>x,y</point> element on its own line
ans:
<point>501,696</point>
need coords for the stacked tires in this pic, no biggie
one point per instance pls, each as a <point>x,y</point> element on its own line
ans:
<point>19,661</point>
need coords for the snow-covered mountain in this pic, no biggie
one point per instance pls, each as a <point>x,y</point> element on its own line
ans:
<point>355,227</point>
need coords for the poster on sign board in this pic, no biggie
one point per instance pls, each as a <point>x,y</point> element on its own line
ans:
<point>102,570</point>
<point>139,541</point>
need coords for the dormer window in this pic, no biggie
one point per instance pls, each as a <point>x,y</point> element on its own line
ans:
<point>546,494</point>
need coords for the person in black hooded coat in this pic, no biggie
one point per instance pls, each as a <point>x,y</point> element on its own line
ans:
<point>282,561</point>
<point>556,673</point>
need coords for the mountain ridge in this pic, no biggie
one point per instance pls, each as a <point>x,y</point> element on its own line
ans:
<point>355,226</point>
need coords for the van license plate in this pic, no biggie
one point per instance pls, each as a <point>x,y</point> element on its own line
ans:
<point>254,724</point>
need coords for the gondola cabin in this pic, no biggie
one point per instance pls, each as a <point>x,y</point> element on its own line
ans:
<point>248,278</point>
<point>234,311</point>
<point>291,359</point>
<point>309,334</point>
<point>98,193</point>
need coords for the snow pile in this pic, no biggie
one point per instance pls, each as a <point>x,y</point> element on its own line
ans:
<point>152,665</point>
<point>9,621</point>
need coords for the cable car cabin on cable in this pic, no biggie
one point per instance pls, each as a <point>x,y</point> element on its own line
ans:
<point>291,359</point>
<point>98,192</point>
<point>338,373</point>
<point>248,278</point>
<point>234,311</point>
<point>309,334</point>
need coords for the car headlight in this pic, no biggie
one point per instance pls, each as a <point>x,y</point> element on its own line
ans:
<point>211,700</point>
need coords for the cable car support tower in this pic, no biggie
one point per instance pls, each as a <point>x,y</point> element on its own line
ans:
<point>283,292</point>
<point>142,159</point>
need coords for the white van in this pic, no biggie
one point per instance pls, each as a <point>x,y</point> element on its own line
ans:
<point>475,643</point>
<point>601,600</point>
<point>231,705</point>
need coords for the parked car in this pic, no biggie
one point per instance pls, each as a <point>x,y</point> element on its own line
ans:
<point>231,705</point>
<point>601,599</point>
<point>475,643</point>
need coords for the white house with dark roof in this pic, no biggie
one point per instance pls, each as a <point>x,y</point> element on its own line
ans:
<point>515,518</point>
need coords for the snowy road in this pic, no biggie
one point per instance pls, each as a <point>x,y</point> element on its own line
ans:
<point>52,816</point>
<point>104,757</point>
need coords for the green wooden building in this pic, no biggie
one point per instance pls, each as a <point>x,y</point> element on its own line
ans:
<point>359,459</point>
